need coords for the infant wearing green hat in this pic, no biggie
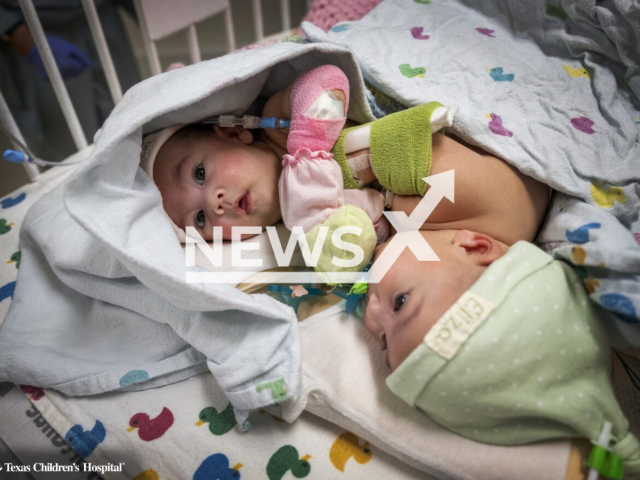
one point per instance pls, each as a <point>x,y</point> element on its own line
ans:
<point>499,343</point>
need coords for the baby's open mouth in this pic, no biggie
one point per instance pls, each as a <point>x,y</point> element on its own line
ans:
<point>244,204</point>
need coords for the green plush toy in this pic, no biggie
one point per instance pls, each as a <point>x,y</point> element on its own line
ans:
<point>337,256</point>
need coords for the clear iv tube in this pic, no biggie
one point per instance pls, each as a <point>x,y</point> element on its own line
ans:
<point>20,157</point>
<point>248,122</point>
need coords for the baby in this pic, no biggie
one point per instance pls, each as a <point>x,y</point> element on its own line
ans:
<point>231,176</point>
<point>214,178</point>
<point>499,343</point>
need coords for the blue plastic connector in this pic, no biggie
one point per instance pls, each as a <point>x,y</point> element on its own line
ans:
<point>273,123</point>
<point>15,156</point>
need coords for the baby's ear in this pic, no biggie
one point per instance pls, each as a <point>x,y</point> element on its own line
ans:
<point>238,133</point>
<point>480,249</point>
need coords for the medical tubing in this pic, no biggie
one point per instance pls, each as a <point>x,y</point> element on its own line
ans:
<point>20,157</point>
<point>249,122</point>
<point>15,156</point>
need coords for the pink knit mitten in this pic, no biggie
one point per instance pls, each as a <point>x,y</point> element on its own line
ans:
<point>316,134</point>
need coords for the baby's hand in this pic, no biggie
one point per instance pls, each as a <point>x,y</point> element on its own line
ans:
<point>319,105</point>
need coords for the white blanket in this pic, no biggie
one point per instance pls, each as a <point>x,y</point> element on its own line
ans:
<point>102,278</point>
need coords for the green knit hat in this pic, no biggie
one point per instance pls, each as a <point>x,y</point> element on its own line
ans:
<point>520,357</point>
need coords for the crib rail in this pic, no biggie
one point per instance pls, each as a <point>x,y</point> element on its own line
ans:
<point>153,27</point>
<point>31,17</point>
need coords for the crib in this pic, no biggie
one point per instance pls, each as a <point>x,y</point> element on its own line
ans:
<point>156,23</point>
<point>39,428</point>
<point>186,429</point>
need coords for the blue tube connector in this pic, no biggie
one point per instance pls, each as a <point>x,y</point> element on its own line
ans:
<point>15,156</point>
<point>273,123</point>
<point>248,122</point>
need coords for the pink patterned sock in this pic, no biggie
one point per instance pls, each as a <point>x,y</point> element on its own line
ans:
<point>314,133</point>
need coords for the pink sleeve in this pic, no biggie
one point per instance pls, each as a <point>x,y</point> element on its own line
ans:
<point>311,188</point>
<point>368,199</point>
<point>372,202</point>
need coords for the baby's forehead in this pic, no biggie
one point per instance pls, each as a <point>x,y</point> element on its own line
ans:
<point>181,145</point>
<point>400,243</point>
<point>187,138</point>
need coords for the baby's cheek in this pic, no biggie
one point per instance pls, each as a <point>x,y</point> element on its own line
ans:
<point>420,326</point>
<point>402,347</point>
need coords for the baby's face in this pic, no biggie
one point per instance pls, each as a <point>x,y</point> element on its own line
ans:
<point>413,295</point>
<point>220,179</point>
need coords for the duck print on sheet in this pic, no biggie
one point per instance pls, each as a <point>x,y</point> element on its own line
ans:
<point>151,429</point>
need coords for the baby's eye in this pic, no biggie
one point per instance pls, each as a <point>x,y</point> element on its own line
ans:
<point>400,301</point>
<point>384,342</point>
<point>200,219</point>
<point>198,174</point>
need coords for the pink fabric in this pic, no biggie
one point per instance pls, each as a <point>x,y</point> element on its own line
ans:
<point>368,199</point>
<point>383,230</point>
<point>372,202</point>
<point>326,13</point>
<point>311,185</point>
<point>175,66</point>
<point>313,133</point>
<point>310,188</point>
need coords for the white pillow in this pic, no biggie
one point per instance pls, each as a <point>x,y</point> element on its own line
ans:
<point>344,382</point>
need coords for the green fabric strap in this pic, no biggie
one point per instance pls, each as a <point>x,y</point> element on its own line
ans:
<point>400,150</point>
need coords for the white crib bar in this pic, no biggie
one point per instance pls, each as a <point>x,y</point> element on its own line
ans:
<point>286,16</point>
<point>149,45</point>
<point>228,25</point>
<point>257,20</point>
<point>59,88</point>
<point>194,46</point>
<point>103,50</point>
<point>10,124</point>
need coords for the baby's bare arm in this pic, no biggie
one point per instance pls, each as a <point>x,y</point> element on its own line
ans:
<point>490,196</point>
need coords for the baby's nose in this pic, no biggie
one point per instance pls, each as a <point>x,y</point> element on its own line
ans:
<point>216,201</point>
<point>372,314</point>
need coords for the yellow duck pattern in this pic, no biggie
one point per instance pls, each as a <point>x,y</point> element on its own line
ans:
<point>579,257</point>
<point>347,445</point>
<point>605,196</point>
<point>576,72</point>
<point>147,475</point>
